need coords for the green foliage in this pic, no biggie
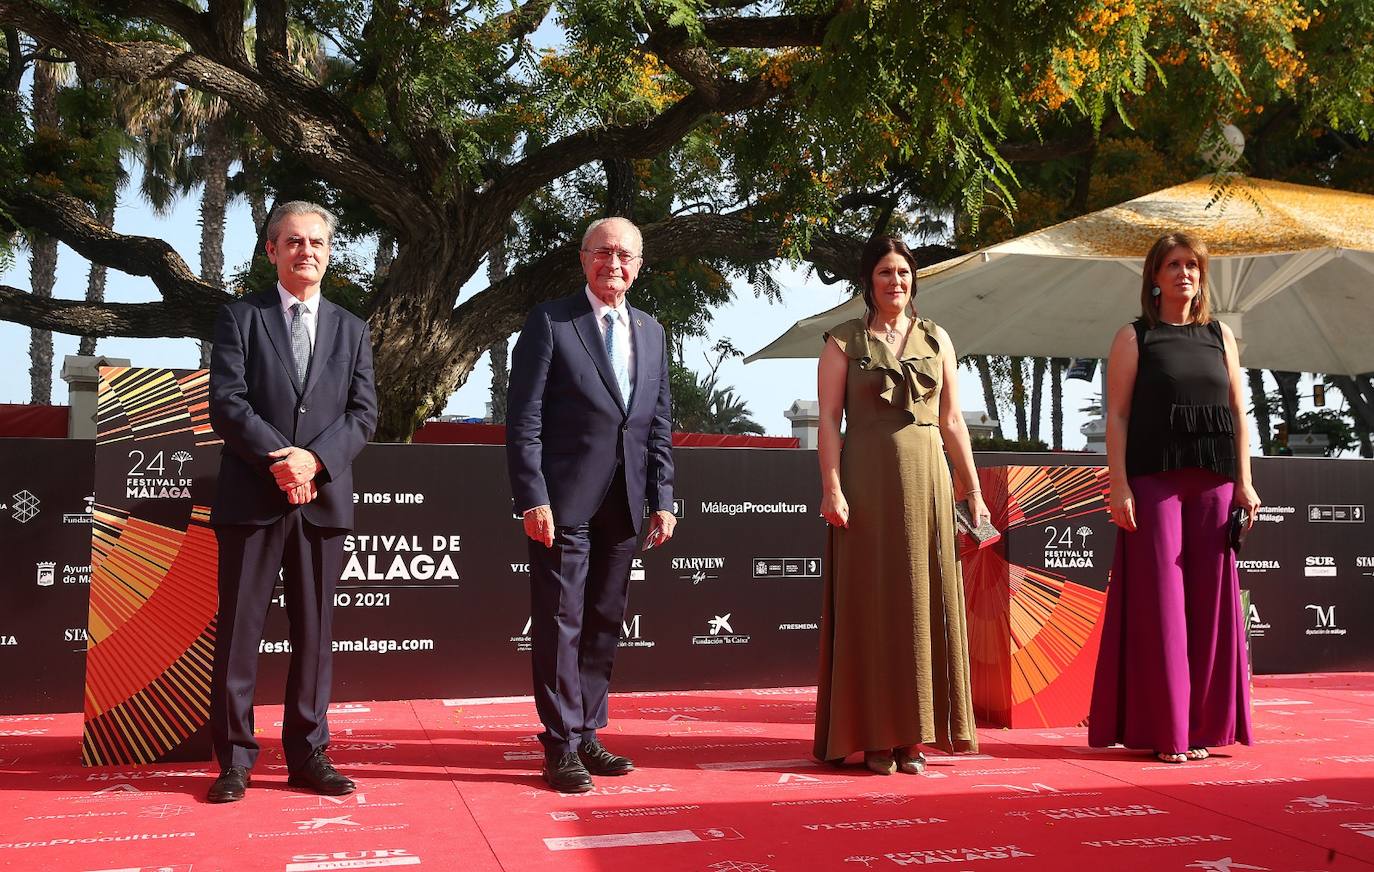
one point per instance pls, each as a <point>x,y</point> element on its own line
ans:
<point>899,119</point>
<point>1336,426</point>
<point>81,156</point>
<point>701,406</point>
<point>14,138</point>
<point>993,443</point>
<point>690,398</point>
<point>1296,80</point>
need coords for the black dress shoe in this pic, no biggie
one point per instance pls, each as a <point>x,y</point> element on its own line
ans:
<point>319,775</point>
<point>566,774</point>
<point>599,761</point>
<point>230,785</point>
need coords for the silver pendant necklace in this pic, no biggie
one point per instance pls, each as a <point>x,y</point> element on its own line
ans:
<point>891,334</point>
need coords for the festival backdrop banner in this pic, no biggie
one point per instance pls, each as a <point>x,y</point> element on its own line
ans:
<point>434,598</point>
<point>151,622</point>
<point>1036,597</point>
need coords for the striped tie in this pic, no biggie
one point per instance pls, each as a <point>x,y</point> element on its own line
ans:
<point>300,341</point>
<point>618,353</point>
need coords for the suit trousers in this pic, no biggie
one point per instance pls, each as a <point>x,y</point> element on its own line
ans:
<point>310,561</point>
<point>578,592</point>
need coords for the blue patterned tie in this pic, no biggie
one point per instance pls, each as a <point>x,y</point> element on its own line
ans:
<point>620,363</point>
<point>300,341</point>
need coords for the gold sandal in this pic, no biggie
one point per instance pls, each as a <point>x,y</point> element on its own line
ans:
<point>880,762</point>
<point>909,763</point>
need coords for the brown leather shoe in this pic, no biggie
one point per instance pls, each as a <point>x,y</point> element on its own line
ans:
<point>319,775</point>
<point>230,785</point>
<point>566,774</point>
<point>599,761</point>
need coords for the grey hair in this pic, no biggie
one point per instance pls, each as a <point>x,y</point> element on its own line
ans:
<point>300,207</point>
<point>591,228</point>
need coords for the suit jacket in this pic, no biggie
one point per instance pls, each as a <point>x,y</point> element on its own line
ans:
<point>257,405</point>
<point>567,426</point>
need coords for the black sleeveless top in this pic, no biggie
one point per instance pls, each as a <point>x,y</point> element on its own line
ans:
<point>1181,405</point>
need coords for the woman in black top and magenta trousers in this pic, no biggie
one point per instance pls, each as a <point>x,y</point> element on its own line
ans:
<point>1171,671</point>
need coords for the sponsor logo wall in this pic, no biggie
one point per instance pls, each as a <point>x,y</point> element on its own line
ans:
<point>434,599</point>
<point>45,573</point>
<point>1308,566</point>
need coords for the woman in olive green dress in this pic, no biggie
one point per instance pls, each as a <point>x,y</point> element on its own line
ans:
<point>894,646</point>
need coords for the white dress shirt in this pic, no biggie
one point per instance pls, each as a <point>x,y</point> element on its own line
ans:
<point>622,334</point>
<point>312,308</point>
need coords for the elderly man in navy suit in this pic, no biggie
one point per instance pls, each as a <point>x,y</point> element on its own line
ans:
<point>291,395</point>
<point>588,446</point>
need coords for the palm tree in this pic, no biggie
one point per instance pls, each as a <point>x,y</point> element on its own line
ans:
<point>700,405</point>
<point>1288,395</point>
<point>1037,395</point>
<point>42,248</point>
<point>1260,403</point>
<point>1057,366</point>
<point>1017,377</point>
<point>94,121</point>
<point>727,413</point>
<point>983,364</point>
<point>95,278</point>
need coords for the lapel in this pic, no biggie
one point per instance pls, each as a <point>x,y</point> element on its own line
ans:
<point>639,346</point>
<point>584,321</point>
<point>327,322</point>
<point>269,308</point>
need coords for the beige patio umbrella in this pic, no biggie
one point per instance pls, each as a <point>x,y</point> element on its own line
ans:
<point>1292,273</point>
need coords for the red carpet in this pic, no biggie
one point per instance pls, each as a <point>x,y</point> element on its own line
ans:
<point>725,785</point>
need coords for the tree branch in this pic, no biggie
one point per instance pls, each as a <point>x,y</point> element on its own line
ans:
<point>174,15</point>
<point>303,120</point>
<point>14,63</point>
<point>696,67</point>
<point>64,217</point>
<point>1359,396</point>
<point>777,31</point>
<point>226,28</point>
<point>77,317</point>
<point>272,54</point>
<point>518,180</point>
<point>879,198</point>
<point>523,20</point>
<point>503,306</point>
<point>621,187</point>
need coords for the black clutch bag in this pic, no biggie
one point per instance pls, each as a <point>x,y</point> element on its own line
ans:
<point>1235,528</point>
<point>983,534</point>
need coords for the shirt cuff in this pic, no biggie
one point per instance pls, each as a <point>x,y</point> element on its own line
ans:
<point>526,513</point>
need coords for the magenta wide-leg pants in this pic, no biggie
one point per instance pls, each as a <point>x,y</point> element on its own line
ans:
<point>1171,671</point>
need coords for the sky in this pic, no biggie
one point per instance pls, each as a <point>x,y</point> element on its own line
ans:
<point>768,387</point>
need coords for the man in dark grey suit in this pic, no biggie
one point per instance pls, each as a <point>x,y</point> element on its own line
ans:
<point>588,445</point>
<point>291,395</point>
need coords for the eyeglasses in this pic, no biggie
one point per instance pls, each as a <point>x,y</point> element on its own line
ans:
<point>603,255</point>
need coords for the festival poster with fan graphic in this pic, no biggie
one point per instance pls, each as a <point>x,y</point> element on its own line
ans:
<point>1035,599</point>
<point>153,598</point>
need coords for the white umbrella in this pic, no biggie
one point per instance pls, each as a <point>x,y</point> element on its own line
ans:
<point>1292,273</point>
